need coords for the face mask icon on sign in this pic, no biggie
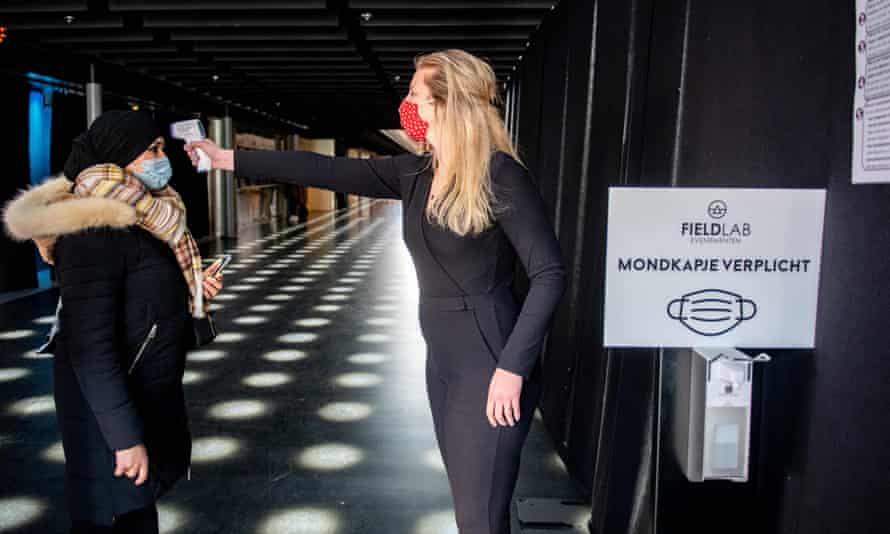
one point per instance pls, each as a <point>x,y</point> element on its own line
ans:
<point>711,312</point>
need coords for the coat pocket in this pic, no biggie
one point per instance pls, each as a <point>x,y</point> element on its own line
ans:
<point>487,325</point>
<point>152,333</point>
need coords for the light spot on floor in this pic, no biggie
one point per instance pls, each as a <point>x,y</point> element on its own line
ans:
<point>358,380</point>
<point>433,458</point>
<point>301,520</point>
<point>214,449</point>
<point>292,289</point>
<point>298,337</point>
<point>284,355</point>
<point>367,358</point>
<point>238,409</point>
<point>267,380</point>
<point>13,373</point>
<point>381,321</point>
<point>265,308</point>
<point>373,338</point>
<point>345,412</point>
<point>11,335</point>
<point>55,453</point>
<point>310,322</point>
<point>192,377</point>
<point>250,320</point>
<point>330,457</point>
<point>436,523</point>
<point>205,355</point>
<point>17,512</point>
<point>39,405</point>
<point>172,519</point>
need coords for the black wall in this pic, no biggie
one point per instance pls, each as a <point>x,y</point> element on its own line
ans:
<point>693,93</point>
<point>69,120</point>
<point>18,269</point>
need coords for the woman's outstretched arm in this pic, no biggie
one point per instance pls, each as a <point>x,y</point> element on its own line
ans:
<point>376,178</point>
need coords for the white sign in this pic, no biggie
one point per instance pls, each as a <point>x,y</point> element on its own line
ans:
<point>871,106</point>
<point>713,267</point>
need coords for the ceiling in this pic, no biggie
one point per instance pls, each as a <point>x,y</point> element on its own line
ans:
<point>330,65</point>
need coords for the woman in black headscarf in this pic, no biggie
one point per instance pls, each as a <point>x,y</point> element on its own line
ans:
<point>125,263</point>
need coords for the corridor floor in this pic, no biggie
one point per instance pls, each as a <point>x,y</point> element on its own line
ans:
<point>309,412</point>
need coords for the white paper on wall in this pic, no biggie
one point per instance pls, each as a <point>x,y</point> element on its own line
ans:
<point>871,107</point>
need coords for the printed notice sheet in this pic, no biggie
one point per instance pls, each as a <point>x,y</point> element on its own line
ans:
<point>871,111</point>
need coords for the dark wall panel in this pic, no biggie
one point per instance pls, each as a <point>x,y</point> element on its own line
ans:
<point>69,120</point>
<point>554,115</point>
<point>578,211</point>
<point>623,484</point>
<point>17,260</point>
<point>576,360</point>
<point>841,475</point>
<point>530,78</point>
<point>761,118</point>
<point>777,116</point>
<point>551,52</point>
<point>689,93</point>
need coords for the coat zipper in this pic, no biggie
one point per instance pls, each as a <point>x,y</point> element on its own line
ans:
<point>151,335</point>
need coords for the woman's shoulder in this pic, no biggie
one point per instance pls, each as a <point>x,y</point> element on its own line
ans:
<point>506,170</point>
<point>411,162</point>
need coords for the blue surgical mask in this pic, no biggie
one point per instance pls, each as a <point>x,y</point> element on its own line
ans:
<point>155,173</point>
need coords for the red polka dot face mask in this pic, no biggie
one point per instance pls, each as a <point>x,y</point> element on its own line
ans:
<point>411,121</point>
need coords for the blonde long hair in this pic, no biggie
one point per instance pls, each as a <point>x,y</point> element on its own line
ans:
<point>470,129</point>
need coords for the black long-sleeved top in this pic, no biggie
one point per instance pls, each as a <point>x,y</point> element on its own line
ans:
<point>448,264</point>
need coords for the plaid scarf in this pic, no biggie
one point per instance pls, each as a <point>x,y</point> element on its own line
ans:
<point>162,213</point>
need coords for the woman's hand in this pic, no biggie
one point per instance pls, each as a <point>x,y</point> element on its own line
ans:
<point>213,282</point>
<point>133,463</point>
<point>503,398</point>
<point>45,247</point>
<point>221,159</point>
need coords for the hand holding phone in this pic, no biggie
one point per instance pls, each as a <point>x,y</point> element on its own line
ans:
<point>225,260</point>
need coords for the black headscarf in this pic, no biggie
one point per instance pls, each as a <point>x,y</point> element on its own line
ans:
<point>116,137</point>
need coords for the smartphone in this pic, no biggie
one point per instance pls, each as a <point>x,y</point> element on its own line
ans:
<point>226,259</point>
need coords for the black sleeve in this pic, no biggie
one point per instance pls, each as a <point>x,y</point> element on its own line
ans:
<point>529,230</point>
<point>376,178</point>
<point>90,267</point>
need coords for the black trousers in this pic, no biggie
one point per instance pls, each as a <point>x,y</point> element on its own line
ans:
<point>143,521</point>
<point>482,462</point>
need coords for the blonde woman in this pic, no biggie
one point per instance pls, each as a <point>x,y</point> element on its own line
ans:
<point>469,209</point>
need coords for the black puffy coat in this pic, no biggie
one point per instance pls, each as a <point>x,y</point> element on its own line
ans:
<point>123,333</point>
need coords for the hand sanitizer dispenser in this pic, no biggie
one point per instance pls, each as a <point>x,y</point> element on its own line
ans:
<point>712,413</point>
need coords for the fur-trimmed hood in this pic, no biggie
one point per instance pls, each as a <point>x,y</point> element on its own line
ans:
<point>50,209</point>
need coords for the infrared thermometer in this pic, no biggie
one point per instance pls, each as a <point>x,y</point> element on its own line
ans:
<point>190,131</point>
